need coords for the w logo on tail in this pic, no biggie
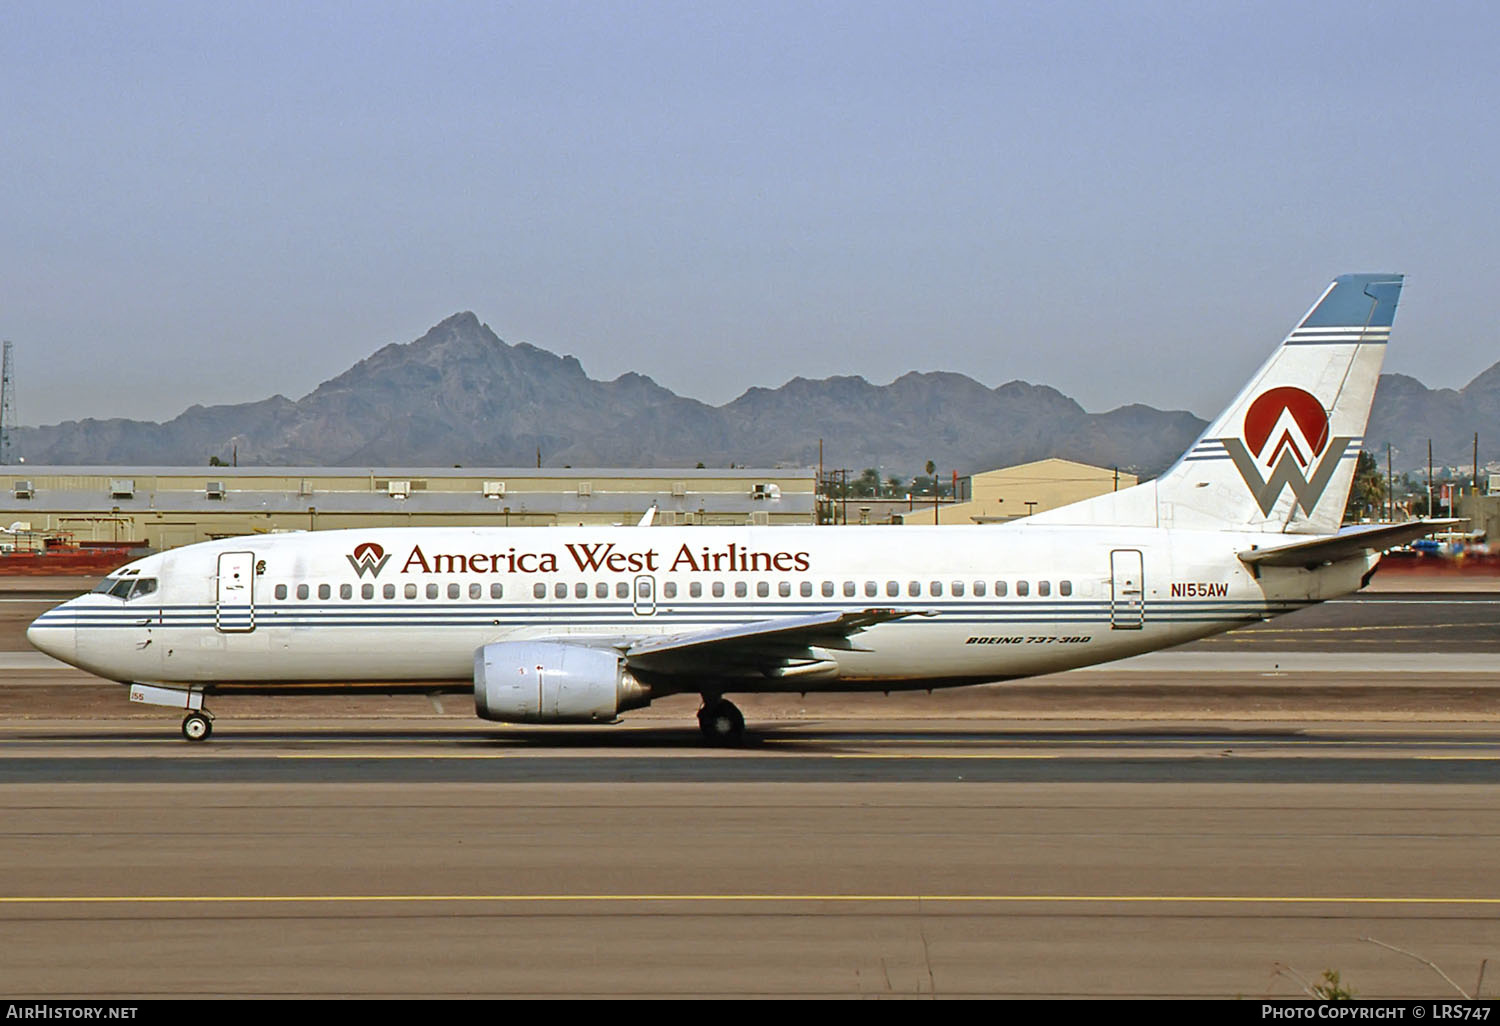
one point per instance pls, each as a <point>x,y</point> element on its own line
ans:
<point>1286,430</point>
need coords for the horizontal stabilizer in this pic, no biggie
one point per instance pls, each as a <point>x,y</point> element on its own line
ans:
<point>1352,541</point>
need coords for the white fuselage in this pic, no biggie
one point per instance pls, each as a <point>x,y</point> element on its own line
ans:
<point>995,602</point>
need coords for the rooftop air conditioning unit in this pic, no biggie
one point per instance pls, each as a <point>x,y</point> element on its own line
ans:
<point>766,491</point>
<point>679,489</point>
<point>494,489</point>
<point>398,489</point>
<point>215,489</point>
<point>23,489</point>
<point>122,488</point>
<point>585,489</point>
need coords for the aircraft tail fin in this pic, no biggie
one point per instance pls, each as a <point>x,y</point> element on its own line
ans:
<point>1281,457</point>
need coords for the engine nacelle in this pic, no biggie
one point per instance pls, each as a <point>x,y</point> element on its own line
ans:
<point>553,682</point>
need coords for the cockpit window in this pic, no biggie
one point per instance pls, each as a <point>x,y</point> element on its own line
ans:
<point>126,587</point>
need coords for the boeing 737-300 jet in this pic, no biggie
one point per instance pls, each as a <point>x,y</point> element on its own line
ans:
<point>578,625</point>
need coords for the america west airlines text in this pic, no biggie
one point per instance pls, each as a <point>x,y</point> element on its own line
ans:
<point>603,557</point>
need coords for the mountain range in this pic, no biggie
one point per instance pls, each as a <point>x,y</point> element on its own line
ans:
<point>460,395</point>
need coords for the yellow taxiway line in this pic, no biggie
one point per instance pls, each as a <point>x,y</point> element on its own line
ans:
<point>872,899</point>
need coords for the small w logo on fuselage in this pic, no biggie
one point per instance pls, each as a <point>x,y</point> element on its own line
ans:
<point>1287,430</point>
<point>368,558</point>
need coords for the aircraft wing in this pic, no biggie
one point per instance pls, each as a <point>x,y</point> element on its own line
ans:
<point>781,647</point>
<point>1351,541</point>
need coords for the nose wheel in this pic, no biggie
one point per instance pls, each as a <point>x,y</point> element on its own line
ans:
<point>197,727</point>
<point>721,723</point>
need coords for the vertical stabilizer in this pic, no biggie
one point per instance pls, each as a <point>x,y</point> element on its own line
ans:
<point>1281,458</point>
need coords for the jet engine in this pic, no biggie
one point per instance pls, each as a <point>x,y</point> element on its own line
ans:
<point>553,682</point>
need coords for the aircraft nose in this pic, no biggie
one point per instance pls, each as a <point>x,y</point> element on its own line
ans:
<point>54,639</point>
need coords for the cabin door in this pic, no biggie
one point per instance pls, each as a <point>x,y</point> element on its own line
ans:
<point>234,611</point>
<point>1127,595</point>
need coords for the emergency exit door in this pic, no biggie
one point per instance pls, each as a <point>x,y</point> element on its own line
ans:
<point>1127,597</point>
<point>234,611</point>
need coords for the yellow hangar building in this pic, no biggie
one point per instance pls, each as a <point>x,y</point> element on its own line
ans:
<point>1011,492</point>
<point>165,507</point>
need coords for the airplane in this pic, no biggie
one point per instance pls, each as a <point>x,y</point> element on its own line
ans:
<point>579,625</point>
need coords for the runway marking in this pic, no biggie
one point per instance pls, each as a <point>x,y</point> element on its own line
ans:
<point>392,755</point>
<point>973,899</point>
<point>1261,631</point>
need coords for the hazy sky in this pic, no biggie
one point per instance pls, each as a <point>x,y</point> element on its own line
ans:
<point>1133,201</point>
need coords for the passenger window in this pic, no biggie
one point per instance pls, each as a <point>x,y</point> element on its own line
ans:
<point>784,589</point>
<point>935,589</point>
<point>979,589</point>
<point>741,589</point>
<point>914,589</point>
<point>1065,587</point>
<point>718,589</point>
<point>1023,588</point>
<point>1000,589</point>
<point>476,591</point>
<point>581,590</point>
<point>601,590</point>
<point>346,591</point>
<point>453,591</point>
<point>367,591</point>
<point>806,589</point>
<point>622,590</point>
<point>871,589</point>
<point>281,591</point>
<point>892,588</point>
<point>958,589</point>
<point>828,589</point>
<point>1044,588</point>
<point>389,591</point>
<point>302,592</point>
<point>497,591</point>
<point>560,590</point>
<point>432,591</point>
<point>850,590</point>
<point>539,590</point>
<point>762,589</point>
<point>411,591</point>
<point>669,590</point>
<point>695,590</point>
<point>325,592</point>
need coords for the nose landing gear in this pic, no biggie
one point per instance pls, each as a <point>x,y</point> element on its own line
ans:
<point>197,726</point>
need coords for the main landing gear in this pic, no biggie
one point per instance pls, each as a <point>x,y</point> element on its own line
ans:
<point>721,722</point>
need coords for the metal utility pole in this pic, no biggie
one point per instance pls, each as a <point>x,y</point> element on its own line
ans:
<point>7,404</point>
<point>1390,488</point>
<point>1429,477</point>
